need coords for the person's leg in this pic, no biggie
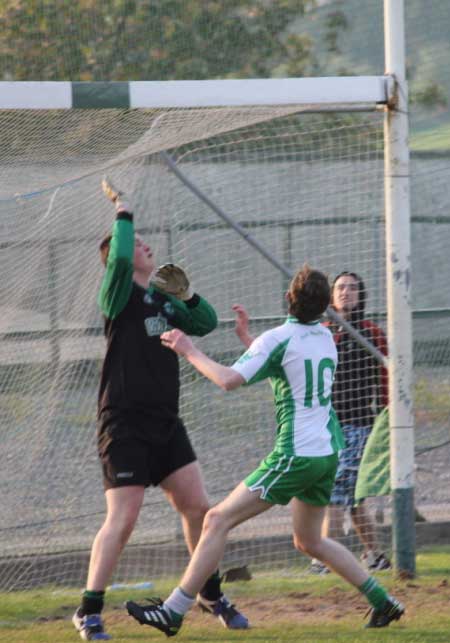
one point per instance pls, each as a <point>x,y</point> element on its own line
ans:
<point>185,490</point>
<point>123,505</point>
<point>364,527</point>
<point>372,557</point>
<point>307,527</point>
<point>122,461</point>
<point>238,507</point>
<point>332,527</point>
<point>333,524</point>
<point>361,520</point>
<point>343,498</point>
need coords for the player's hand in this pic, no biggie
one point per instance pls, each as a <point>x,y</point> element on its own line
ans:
<point>110,190</point>
<point>115,195</point>
<point>172,279</point>
<point>241,324</point>
<point>177,341</point>
<point>241,321</point>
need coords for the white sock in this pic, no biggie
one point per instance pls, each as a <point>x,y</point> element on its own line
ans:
<point>371,556</point>
<point>179,602</point>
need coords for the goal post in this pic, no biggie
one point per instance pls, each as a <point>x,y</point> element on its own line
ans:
<point>399,289</point>
<point>304,177</point>
<point>288,273</point>
<point>339,93</point>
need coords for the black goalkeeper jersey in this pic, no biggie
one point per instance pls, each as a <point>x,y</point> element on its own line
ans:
<point>139,388</point>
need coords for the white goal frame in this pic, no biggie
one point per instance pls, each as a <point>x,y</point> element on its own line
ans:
<point>387,93</point>
<point>347,93</point>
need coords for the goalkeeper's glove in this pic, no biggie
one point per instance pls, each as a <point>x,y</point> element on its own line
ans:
<point>116,196</point>
<point>173,280</point>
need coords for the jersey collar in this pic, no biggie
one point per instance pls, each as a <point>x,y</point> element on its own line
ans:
<point>293,320</point>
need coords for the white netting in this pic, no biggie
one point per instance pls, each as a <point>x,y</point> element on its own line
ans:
<point>431,333</point>
<point>309,187</point>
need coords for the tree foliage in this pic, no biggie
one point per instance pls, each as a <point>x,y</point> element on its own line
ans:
<point>197,39</point>
<point>151,39</point>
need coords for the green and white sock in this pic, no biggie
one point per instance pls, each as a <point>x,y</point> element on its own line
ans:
<point>178,603</point>
<point>374,592</point>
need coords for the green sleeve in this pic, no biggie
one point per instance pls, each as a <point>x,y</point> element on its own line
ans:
<point>272,365</point>
<point>117,282</point>
<point>194,317</point>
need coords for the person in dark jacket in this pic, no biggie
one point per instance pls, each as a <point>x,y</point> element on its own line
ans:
<point>360,392</point>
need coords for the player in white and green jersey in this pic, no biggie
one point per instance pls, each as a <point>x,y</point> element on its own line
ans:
<point>299,358</point>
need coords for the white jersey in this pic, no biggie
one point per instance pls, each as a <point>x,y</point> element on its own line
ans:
<point>300,360</point>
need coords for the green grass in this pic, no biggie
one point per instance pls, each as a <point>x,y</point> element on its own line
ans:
<point>435,139</point>
<point>282,607</point>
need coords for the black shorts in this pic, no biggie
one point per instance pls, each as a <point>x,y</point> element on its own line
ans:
<point>131,461</point>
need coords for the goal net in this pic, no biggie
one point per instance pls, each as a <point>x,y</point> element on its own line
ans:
<point>308,186</point>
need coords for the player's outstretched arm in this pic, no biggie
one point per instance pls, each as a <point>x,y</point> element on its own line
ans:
<point>241,324</point>
<point>117,281</point>
<point>116,196</point>
<point>223,376</point>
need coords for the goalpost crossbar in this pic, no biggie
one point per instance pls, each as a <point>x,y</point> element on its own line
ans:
<point>345,92</point>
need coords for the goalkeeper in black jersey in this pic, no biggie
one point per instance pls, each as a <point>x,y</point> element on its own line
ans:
<point>141,439</point>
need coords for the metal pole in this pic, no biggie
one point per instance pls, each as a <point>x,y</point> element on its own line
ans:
<point>399,319</point>
<point>251,240</point>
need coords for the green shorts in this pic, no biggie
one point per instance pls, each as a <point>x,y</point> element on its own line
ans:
<point>280,478</point>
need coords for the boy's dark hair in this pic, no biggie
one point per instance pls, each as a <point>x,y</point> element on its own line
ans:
<point>308,295</point>
<point>104,248</point>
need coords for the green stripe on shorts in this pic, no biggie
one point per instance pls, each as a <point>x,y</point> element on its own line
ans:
<point>280,477</point>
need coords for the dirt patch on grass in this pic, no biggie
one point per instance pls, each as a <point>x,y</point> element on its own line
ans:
<point>336,603</point>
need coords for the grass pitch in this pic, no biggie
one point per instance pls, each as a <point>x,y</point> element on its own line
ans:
<point>282,607</point>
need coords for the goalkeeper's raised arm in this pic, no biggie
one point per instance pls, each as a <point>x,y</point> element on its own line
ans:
<point>117,252</point>
<point>129,259</point>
